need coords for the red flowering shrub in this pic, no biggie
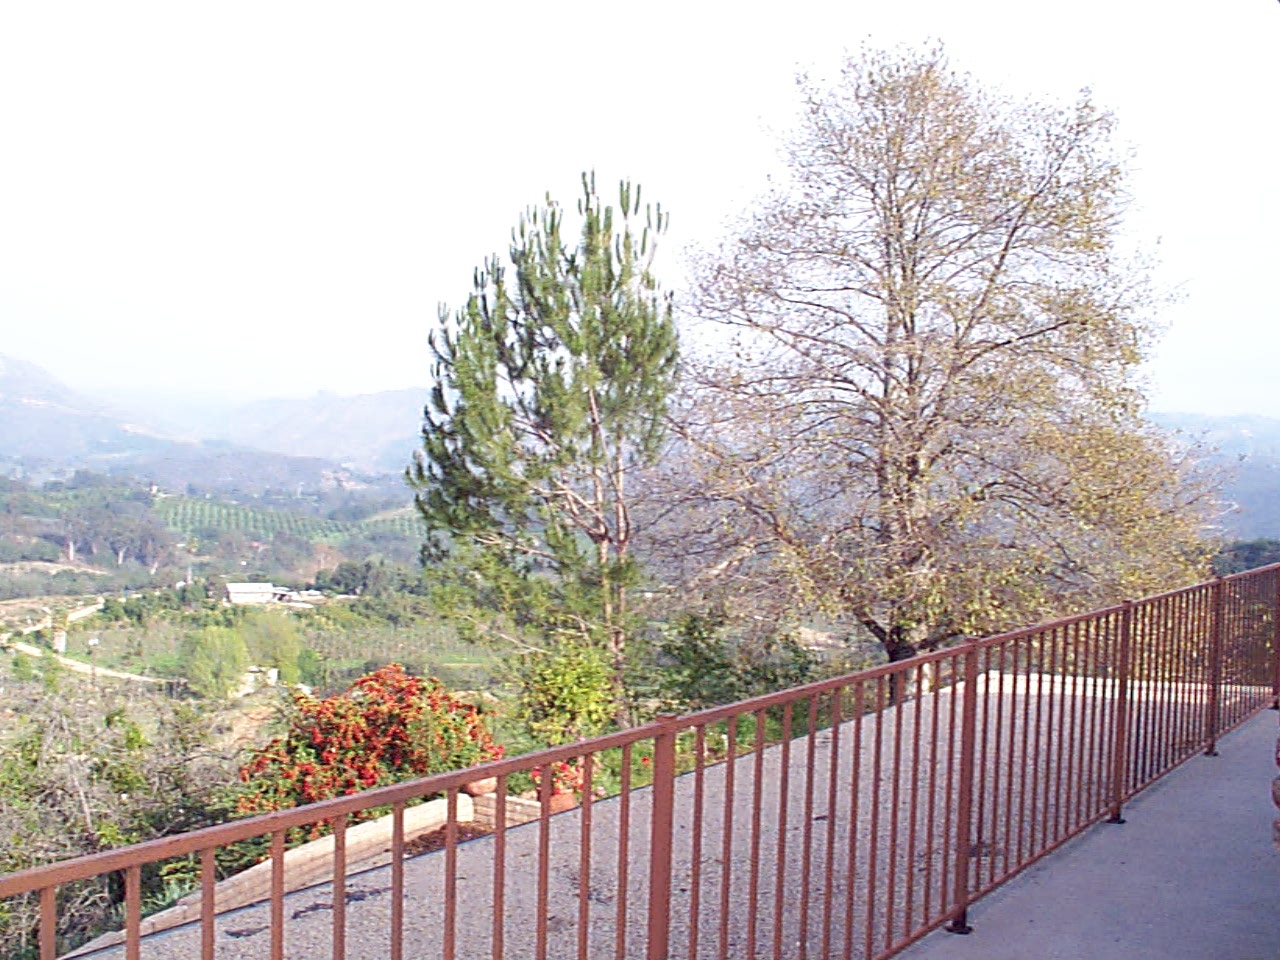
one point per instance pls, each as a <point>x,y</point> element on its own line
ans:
<point>567,776</point>
<point>385,728</point>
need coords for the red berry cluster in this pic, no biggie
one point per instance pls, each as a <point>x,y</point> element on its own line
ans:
<point>386,727</point>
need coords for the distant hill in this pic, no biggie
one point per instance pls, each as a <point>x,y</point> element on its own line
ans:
<point>329,441</point>
<point>371,433</point>
<point>1247,447</point>
<point>44,420</point>
<point>379,431</point>
<point>47,430</point>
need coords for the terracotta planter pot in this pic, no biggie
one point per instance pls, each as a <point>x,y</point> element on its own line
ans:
<point>478,788</point>
<point>560,802</point>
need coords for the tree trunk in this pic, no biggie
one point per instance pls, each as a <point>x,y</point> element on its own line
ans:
<point>899,647</point>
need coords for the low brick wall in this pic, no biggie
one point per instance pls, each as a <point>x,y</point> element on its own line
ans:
<point>519,810</point>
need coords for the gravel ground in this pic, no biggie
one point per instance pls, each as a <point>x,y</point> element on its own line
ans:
<point>804,814</point>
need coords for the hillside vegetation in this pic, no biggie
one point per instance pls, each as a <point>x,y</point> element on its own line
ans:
<point>104,534</point>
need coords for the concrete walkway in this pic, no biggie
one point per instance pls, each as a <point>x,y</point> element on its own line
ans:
<point>1191,875</point>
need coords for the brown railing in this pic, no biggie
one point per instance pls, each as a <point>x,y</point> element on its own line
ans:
<point>846,818</point>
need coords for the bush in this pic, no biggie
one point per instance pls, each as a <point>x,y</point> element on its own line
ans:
<point>702,667</point>
<point>85,771</point>
<point>274,640</point>
<point>566,694</point>
<point>214,660</point>
<point>386,727</point>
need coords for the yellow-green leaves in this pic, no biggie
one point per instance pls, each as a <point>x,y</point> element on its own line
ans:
<point>929,419</point>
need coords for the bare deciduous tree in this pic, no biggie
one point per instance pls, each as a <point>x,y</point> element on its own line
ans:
<point>929,422</point>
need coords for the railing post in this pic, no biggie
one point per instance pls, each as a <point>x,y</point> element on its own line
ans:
<point>964,804</point>
<point>1275,798</point>
<point>1120,730</point>
<point>1275,642</point>
<point>1215,669</point>
<point>661,835</point>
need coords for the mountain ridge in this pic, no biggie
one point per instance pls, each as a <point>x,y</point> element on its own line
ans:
<point>320,439</point>
<point>47,430</point>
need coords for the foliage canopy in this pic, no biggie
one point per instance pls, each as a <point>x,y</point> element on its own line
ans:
<point>928,422</point>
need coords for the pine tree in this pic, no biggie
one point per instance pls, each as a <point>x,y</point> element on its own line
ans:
<point>551,385</point>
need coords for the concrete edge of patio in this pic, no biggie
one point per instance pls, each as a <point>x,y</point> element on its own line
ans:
<point>1191,874</point>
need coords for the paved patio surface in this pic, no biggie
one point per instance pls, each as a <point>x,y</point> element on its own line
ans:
<point>1191,875</point>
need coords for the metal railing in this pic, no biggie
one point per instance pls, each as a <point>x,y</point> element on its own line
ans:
<point>846,818</point>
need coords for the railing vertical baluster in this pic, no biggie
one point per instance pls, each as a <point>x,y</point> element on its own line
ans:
<point>661,836</point>
<point>757,799</point>
<point>1094,800</point>
<point>873,829</point>
<point>806,858</point>
<point>499,868</point>
<point>833,791</point>
<point>898,688</point>
<point>964,804</point>
<point>1011,836</point>
<point>1075,676</point>
<point>1166,686</point>
<point>1212,708</point>
<point>935,709</point>
<point>1022,820</point>
<point>450,873</point>
<point>726,843</point>
<point>397,880</point>
<point>624,856</point>
<point>339,887</point>
<point>858,709</point>
<point>132,911</point>
<point>1187,707</point>
<point>1058,733</point>
<point>208,879</point>
<point>1139,700</point>
<point>948,790</point>
<point>695,863</point>
<point>48,923</point>
<point>780,853</point>
<point>545,777</point>
<point>277,895</point>
<point>1035,772</point>
<point>584,854</point>
<point>912,815</point>
<point>1120,715</point>
<point>989,827</point>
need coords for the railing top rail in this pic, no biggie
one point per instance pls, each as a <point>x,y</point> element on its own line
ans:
<point>1252,573</point>
<point>765,701</point>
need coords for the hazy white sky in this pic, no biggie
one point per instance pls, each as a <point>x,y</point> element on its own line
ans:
<point>261,198</point>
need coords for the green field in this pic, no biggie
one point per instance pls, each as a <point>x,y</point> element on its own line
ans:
<point>190,516</point>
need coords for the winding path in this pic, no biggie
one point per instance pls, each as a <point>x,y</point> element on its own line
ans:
<point>75,666</point>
